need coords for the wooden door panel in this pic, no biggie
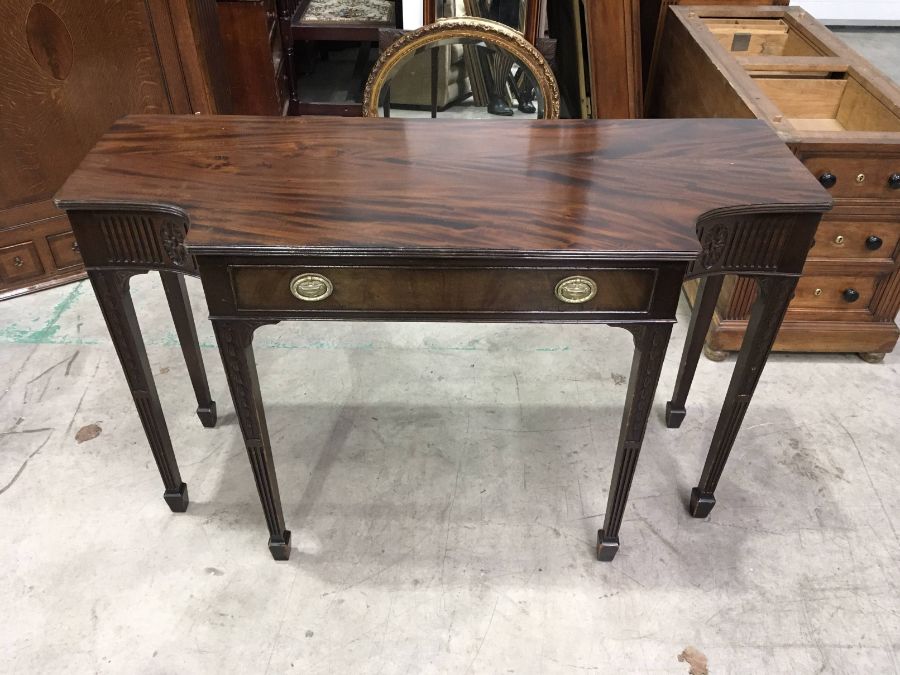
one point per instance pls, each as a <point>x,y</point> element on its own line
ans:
<point>67,71</point>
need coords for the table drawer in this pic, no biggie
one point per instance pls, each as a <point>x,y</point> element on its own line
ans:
<point>834,292</point>
<point>857,177</point>
<point>844,238</point>
<point>446,289</point>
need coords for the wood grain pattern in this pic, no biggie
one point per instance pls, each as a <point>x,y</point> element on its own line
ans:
<point>448,289</point>
<point>68,70</point>
<point>604,187</point>
<point>614,58</point>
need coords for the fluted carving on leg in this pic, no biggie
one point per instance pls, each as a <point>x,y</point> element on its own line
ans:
<point>768,311</point>
<point>650,342</point>
<point>111,288</point>
<point>180,308</point>
<point>235,339</point>
<point>701,317</point>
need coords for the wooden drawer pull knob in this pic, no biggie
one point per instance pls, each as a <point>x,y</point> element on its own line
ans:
<point>873,243</point>
<point>851,295</point>
<point>828,179</point>
<point>18,262</point>
<point>311,287</point>
<point>894,181</point>
<point>576,289</point>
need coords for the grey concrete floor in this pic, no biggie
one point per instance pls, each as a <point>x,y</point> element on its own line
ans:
<point>444,485</point>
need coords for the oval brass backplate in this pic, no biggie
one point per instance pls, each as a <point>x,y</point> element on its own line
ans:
<point>311,287</point>
<point>576,289</point>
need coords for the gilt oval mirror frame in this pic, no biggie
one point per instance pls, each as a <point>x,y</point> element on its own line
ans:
<point>495,34</point>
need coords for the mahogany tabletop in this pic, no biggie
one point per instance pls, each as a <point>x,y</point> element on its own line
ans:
<point>623,188</point>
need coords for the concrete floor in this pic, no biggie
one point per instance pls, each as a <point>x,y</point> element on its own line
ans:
<point>444,485</point>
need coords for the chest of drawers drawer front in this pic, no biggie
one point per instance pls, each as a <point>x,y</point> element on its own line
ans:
<point>839,236</point>
<point>445,289</point>
<point>862,177</point>
<point>20,262</point>
<point>834,292</point>
<point>64,249</point>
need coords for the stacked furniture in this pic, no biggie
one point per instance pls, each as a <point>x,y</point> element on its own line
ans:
<point>261,38</point>
<point>841,117</point>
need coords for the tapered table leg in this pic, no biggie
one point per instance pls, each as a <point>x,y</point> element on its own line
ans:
<point>701,317</point>
<point>650,342</point>
<point>112,290</point>
<point>180,307</point>
<point>235,339</point>
<point>765,319</point>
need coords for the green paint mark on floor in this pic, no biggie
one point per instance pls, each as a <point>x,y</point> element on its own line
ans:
<point>48,333</point>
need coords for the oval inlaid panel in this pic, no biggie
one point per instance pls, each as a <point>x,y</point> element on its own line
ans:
<point>49,41</point>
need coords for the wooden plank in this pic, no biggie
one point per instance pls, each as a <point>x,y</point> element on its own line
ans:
<point>614,53</point>
<point>808,98</point>
<point>813,124</point>
<point>798,64</point>
<point>860,111</point>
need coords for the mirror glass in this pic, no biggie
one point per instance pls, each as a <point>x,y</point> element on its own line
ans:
<point>509,12</point>
<point>461,78</point>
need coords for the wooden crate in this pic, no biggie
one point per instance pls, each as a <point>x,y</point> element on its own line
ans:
<point>841,117</point>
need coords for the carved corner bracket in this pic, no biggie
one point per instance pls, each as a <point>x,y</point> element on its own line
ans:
<point>140,239</point>
<point>764,243</point>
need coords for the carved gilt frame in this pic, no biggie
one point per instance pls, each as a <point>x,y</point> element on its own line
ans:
<point>485,30</point>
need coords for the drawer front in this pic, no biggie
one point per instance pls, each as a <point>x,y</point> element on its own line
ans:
<point>857,177</point>
<point>443,290</point>
<point>64,249</point>
<point>850,293</point>
<point>20,262</point>
<point>844,238</point>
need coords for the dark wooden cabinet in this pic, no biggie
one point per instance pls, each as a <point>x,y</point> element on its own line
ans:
<point>841,118</point>
<point>254,56</point>
<point>68,70</point>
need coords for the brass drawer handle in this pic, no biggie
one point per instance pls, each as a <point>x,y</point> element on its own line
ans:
<point>839,239</point>
<point>311,287</point>
<point>576,289</point>
<point>18,262</point>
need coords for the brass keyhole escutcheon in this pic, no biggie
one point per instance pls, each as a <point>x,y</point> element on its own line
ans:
<point>839,239</point>
<point>861,178</point>
<point>311,287</point>
<point>18,262</point>
<point>817,292</point>
<point>576,289</point>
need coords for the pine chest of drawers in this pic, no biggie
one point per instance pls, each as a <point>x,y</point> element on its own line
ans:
<point>841,118</point>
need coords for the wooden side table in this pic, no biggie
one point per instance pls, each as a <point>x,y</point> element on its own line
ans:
<point>571,221</point>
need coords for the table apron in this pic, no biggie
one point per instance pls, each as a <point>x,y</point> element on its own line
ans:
<point>428,291</point>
